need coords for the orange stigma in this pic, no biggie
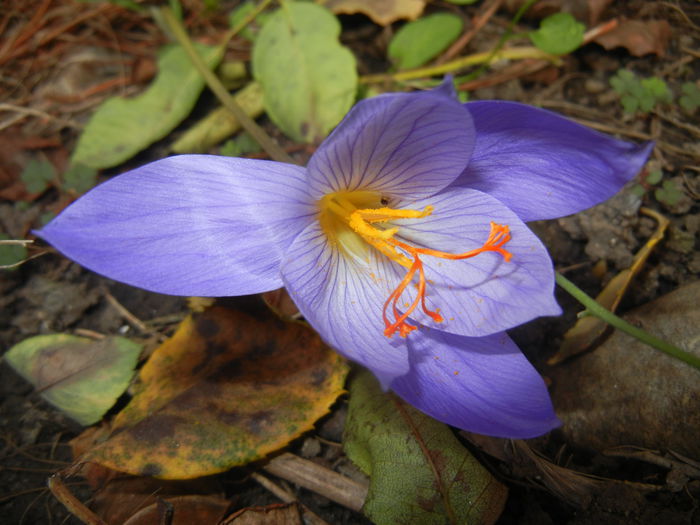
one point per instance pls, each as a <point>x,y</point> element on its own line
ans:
<point>361,221</point>
<point>348,218</point>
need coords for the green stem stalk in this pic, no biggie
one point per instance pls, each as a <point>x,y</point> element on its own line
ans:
<point>594,308</point>
<point>247,123</point>
<point>514,53</point>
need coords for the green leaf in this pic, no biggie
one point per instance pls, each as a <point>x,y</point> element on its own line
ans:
<point>690,100</point>
<point>419,472</point>
<point>638,190</point>
<point>640,94</point>
<point>37,175</point>
<point>241,145</point>
<point>308,78</point>
<point>79,178</point>
<point>654,177</point>
<point>11,253</point>
<point>657,89</point>
<point>558,34</point>
<point>418,42</point>
<point>462,2</point>
<point>120,127</point>
<point>669,193</point>
<point>79,376</point>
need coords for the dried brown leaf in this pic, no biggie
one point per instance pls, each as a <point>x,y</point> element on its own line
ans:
<point>383,12</point>
<point>638,37</point>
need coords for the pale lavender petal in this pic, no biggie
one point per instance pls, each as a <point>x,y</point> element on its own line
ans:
<point>342,298</point>
<point>483,385</point>
<point>405,146</point>
<point>542,165</point>
<point>189,225</point>
<point>484,294</point>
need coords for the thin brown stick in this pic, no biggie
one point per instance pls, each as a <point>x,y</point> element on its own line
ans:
<point>287,497</point>
<point>73,504</point>
<point>53,34</point>
<point>484,15</point>
<point>515,70</point>
<point>126,314</point>
<point>307,474</point>
<point>30,29</point>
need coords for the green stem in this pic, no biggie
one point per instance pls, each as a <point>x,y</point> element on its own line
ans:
<point>221,92</point>
<point>487,57</point>
<point>594,308</point>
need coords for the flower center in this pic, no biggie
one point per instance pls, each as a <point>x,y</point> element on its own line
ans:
<point>350,219</point>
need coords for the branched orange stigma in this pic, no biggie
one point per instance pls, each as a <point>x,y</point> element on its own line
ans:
<point>361,220</point>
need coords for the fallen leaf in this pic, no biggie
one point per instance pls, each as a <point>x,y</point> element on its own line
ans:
<point>79,376</point>
<point>627,393</point>
<point>308,78</point>
<point>419,472</point>
<point>529,465</point>
<point>638,37</point>
<point>123,496</point>
<point>228,388</point>
<point>383,12</point>
<point>183,510</point>
<point>120,127</point>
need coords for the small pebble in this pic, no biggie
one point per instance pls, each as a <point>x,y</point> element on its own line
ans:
<point>594,86</point>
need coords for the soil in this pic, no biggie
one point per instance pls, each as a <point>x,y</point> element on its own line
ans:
<point>50,294</point>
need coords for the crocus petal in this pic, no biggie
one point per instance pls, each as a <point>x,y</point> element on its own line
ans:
<point>483,385</point>
<point>401,145</point>
<point>484,294</point>
<point>189,225</point>
<point>542,165</point>
<point>342,298</point>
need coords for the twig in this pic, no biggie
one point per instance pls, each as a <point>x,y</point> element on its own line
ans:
<point>220,91</point>
<point>688,127</point>
<point>599,30</point>
<point>20,263</point>
<point>518,69</point>
<point>334,486</point>
<point>680,11</point>
<point>15,242</point>
<point>53,34</point>
<point>126,314</point>
<point>22,112</point>
<point>84,332</point>
<point>28,30</point>
<point>287,497</point>
<point>73,504</point>
<point>484,15</point>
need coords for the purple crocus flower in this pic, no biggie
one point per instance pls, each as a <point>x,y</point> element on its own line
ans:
<point>403,242</point>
